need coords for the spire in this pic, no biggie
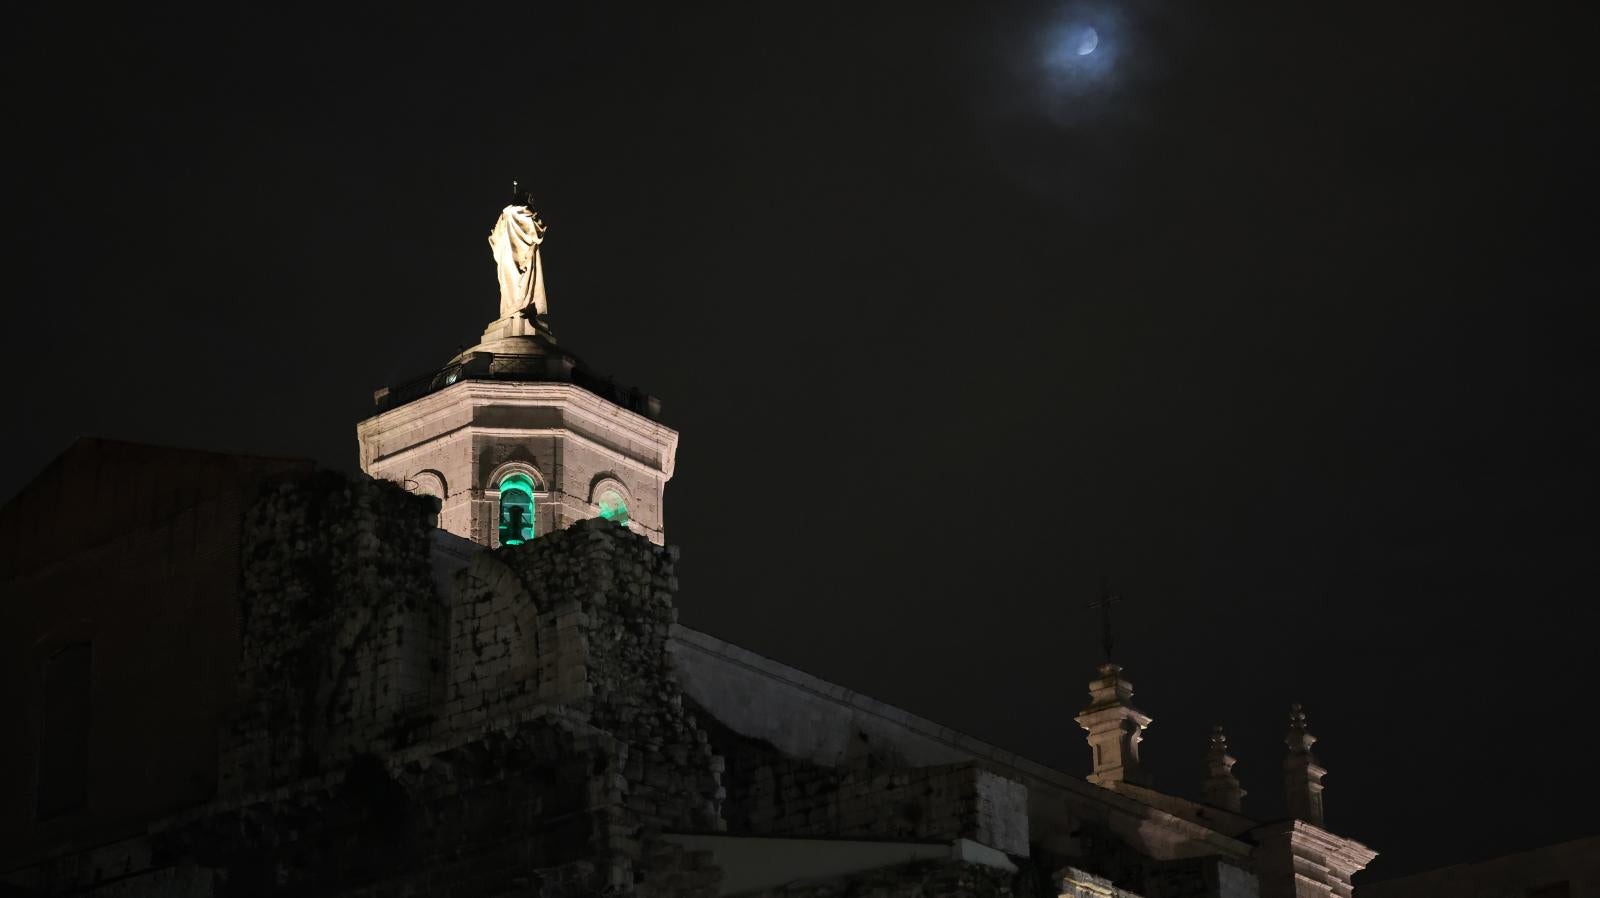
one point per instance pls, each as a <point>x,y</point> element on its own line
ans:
<point>1115,728</point>
<point>1222,788</point>
<point>1301,773</point>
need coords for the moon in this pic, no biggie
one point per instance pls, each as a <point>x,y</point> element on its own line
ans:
<point>1088,39</point>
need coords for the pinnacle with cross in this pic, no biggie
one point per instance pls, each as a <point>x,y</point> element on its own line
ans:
<point>1107,640</point>
<point>1114,726</point>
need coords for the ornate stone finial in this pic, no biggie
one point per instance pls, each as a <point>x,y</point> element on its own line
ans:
<point>1299,739</point>
<point>515,242</point>
<point>1115,728</point>
<point>1302,774</point>
<point>1222,788</point>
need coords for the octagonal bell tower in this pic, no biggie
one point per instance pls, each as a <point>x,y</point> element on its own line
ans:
<point>516,436</point>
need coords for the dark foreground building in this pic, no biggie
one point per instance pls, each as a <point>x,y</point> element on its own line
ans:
<point>463,676</point>
<point>1564,870</point>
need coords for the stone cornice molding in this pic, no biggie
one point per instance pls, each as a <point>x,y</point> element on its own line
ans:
<point>532,394</point>
<point>588,408</point>
<point>610,453</point>
<point>1343,856</point>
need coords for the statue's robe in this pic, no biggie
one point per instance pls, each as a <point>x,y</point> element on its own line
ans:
<point>515,243</point>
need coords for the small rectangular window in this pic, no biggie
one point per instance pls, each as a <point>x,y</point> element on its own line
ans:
<point>64,732</point>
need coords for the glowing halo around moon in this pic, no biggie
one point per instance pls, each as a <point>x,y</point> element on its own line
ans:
<point>1078,53</point>
<point>1075,61</point>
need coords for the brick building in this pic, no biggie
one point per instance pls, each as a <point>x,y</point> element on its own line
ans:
<point>463,675</point>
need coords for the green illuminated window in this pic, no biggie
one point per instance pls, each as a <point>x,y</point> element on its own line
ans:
<point>613,507</point>
<point>516,509</point>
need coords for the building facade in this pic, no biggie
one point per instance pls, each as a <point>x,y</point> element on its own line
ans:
<point>463,675</point>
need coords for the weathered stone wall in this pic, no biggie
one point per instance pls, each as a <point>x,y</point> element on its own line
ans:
<point>801,716</point>
<point>919,879</point>
<point>530,808</point>
<point>795,798</point>
<point>342,628</point>
<point>520,729</point>
<point>674,872</point>
<point>1201,877</point>
<point>580,618</point>
<point>524,727</point>
<point>872,795</point>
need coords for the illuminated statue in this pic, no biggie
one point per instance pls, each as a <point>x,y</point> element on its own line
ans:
<point>515,242</point>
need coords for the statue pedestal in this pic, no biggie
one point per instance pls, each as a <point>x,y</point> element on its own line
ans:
<point>516,326</point>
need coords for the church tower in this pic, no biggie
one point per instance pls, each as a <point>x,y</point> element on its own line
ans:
<point>516,436</point>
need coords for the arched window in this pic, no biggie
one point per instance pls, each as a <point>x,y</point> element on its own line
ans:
<point>516,509</point>
<point>613,507</point>
<point>426,483</point>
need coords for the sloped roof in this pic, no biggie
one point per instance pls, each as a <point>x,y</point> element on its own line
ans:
<point>98,488</point>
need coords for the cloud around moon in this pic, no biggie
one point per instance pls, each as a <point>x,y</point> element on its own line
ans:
<point>1077,50</point>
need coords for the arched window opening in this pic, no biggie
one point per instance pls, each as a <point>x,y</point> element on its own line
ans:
<point>425,483</point>
<point>613,507</point>
<point>516,510</point>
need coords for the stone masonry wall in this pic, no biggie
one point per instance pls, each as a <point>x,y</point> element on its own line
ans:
<point>342,628</point>
<point>579,618</point>
<point>919,879</point>
<point>522,734</point>
<point>914,804</point>
<point>530,808</point>
<point>770,793</point>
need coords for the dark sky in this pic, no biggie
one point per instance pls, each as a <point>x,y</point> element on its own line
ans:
<point>1277,323</point>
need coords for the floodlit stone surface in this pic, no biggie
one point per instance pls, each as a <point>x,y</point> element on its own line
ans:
<point>1115,729</point>
<point>465,439</point>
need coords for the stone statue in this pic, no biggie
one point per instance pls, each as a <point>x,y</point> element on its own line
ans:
<point>515,242</point>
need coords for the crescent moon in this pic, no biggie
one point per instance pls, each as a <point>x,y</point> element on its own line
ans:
<point>1088,39</point>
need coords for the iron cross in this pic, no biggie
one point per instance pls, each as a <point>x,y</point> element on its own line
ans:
<point>1106,601</point>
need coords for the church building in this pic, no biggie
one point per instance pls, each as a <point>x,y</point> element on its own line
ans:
<point>462,674</point>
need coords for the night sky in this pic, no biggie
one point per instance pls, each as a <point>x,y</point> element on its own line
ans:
<point>1270,315</point>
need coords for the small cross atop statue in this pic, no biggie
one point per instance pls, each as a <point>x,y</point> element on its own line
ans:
<point>520,197</point>
<point>1107,643</point>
